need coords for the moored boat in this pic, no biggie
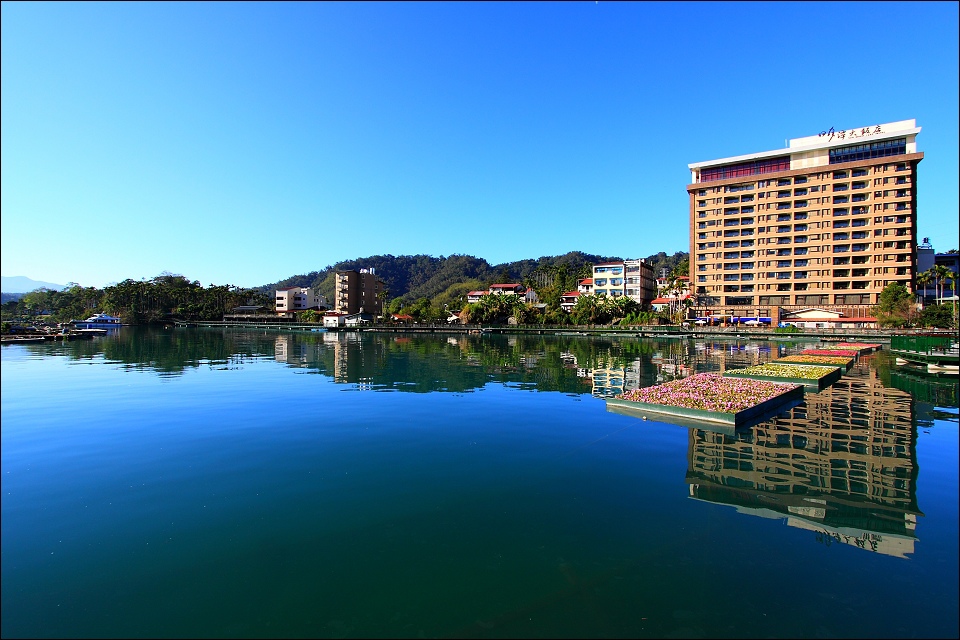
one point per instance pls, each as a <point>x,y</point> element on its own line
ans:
<point>98,321</point>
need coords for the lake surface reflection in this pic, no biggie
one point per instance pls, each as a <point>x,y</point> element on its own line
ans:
<point>254,483</point>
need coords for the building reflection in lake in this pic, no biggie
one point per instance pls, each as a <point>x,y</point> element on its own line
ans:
<point>842,465</point>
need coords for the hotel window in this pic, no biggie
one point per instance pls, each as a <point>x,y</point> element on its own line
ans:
<point>840,199</point>
<point>800,180</point>
<point>859,173</point>
<point>853,153</point>
<point>859,185</point>
<point>801,251</point>
<point>799,216</point>
<point>841,212</point>
<point>783,194</point>
<point>841,187</point>
<point>771,165</point>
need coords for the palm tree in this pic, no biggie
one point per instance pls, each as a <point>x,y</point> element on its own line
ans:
<point>951,277</point>
<point>923,279</point>
<point>940,272</point>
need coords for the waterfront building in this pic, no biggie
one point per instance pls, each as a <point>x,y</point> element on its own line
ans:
<point>826,222</point>
<point>632,278</point>
<point>500,289</point>
<point>569,300</point>
<point>358,292</point>
<point>291,299</point>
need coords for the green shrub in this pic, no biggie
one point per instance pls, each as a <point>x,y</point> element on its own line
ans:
<point>790,329</point>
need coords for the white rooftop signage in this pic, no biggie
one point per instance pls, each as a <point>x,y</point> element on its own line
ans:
<point>826,139</point>
<point>848,136</point>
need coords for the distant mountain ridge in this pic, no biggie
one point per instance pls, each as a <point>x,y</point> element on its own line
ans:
<point>423,276</point>
<point>23,284</point>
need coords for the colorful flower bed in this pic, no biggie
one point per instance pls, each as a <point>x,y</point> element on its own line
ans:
<point>839,361</point>
<point>710,392</point>
<point>830,352</point>
<point>780,370</point>
<point>859,346</point>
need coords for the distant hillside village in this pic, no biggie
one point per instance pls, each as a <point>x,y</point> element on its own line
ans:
<point>614,290</point>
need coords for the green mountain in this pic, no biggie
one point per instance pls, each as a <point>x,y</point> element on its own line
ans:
<point>414,277</point>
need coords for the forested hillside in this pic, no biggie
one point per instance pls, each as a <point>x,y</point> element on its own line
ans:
<point>411,278</point>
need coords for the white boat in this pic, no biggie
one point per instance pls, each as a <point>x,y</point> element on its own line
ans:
<point>98,321</point>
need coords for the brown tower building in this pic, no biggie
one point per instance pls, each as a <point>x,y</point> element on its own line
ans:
<point>358,292</point>
<point>825,223</point>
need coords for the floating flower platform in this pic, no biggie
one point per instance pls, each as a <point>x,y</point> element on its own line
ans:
<point>863,347</point>
<point>850,353</point>
<point>813,377</point>
<point>712,398</point>
<point>844,362</point>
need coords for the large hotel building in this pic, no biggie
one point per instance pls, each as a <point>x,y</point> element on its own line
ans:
<point>825,223</point>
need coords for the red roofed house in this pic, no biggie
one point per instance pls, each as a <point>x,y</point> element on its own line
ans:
<point>659,304</point>
<point>569,300</point>
<point>512,289</point>
<point>500,289</point>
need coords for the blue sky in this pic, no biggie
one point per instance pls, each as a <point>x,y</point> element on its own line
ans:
<point>244,143</point>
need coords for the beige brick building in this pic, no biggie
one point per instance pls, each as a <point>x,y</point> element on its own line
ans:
<point>825,223</point>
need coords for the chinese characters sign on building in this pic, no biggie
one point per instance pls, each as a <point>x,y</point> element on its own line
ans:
<point>849,134</point>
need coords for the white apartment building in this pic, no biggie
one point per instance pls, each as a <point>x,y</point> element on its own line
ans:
<point>290,299</point>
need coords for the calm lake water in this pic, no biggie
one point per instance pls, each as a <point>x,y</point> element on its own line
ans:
<point>227,483</point>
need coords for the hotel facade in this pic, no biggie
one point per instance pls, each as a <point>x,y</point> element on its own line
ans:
<point>825,223</point>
